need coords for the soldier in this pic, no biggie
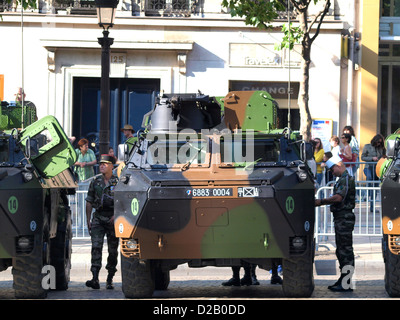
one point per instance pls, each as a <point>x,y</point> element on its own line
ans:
<point>101,198</point>
<point>342,204</point>
<point>128,133</point>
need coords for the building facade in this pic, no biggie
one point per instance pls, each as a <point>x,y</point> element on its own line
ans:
<point>186,46</point>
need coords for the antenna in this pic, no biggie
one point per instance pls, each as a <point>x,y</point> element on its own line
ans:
<point>288,14</point>
<point>22,66</point>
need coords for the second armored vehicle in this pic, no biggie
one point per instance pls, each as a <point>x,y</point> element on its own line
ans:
<point>35,220</point>
<point>212,187</point>
<point>388,169</point>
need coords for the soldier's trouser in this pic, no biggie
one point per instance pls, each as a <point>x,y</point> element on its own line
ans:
<point>102,226</point>
<point>344,225</point>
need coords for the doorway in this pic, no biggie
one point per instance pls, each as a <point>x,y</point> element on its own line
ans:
<point>389,97</point>
<point>130,99</point>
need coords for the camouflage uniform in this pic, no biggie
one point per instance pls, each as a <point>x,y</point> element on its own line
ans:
<point>102,199</point>
<point>344,219</point>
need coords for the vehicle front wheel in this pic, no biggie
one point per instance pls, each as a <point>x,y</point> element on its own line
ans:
<point>298,277</point>
<point>27,269</point>
<point>392,271</point>
<point>137,277</point>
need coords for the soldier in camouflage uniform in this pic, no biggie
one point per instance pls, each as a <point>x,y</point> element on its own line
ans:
<point>101,198</point>
<point>342,204</point>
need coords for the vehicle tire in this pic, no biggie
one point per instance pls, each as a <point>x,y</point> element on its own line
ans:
<point>392,271</point>
<point>298,277</point>
<point>27,270</point>
<point>61,249</point>
<point>137,277</point>
<point>161,279</point>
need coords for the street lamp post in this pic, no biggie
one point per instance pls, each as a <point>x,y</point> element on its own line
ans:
<point>106,14</point>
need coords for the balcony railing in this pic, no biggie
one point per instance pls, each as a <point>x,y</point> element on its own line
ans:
<point>85,7</point>
<point>168,7</point>
<point>174,8</point>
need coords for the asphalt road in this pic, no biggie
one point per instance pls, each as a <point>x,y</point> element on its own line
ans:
<point>196,293</point>
<point>185,284</point>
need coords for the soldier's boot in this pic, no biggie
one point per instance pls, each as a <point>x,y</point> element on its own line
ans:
<point>94,283</point>
<point>275,278</point>
<point>254,280</point>
<point>338,285</point>
<point>235,280</point>
<point>246,280</point>
<point>109,281</point>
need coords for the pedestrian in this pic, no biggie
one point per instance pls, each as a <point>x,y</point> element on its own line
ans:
<point>128,132</point>
<point>346,153</point>
<point>19,100</point>
<point>355,147</point>
<point>335,146</point>
<point>342,203</point>
<point>275,278</point>
<point>112,154</point>
<point>371,154</point>
<point>248,279</point>
<point>328,173</point>
<point>20,95</point>
<point>100,197</point>
<point>86,160</point>
<point>319,157</point>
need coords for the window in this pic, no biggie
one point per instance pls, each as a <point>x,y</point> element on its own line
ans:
<point>390,8</point>
<point>240,150</point>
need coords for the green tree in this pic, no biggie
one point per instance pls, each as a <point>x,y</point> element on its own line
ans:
<point>260,13</point>
<point>25,3</point>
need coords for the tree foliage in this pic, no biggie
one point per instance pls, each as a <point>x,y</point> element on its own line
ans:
<point>261,13</point>
<point>25,3</point>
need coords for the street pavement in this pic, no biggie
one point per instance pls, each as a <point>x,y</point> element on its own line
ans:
<point>205,283</point>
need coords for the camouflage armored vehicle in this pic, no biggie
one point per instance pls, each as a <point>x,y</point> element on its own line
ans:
<point>35,220</point>
<point>212,187</point>
<point>388,169</point>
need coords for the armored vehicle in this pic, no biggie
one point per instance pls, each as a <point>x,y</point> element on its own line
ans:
<point>215,184</point>
<point>388,170</point>
<point>35,220</point>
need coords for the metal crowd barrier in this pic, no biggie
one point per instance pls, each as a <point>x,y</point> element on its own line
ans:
<point>77,204</point>
<point>367,210</point>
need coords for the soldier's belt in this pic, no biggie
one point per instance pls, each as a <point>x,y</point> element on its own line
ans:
<point>105,213</point>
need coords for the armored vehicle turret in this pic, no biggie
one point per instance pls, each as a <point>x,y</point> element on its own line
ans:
<point>215,182</point>
<point>35,219</point>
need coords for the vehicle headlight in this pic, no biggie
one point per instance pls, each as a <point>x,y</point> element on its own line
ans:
<point>28,176</point>
<point>132,244</point>
<point>302,175</point>
<point>297,242</point>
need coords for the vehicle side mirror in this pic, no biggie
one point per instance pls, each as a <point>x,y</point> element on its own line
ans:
<point>390,147</point>
<point>123,152</point>
<point>306,151</point>
<point>31,148</point>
